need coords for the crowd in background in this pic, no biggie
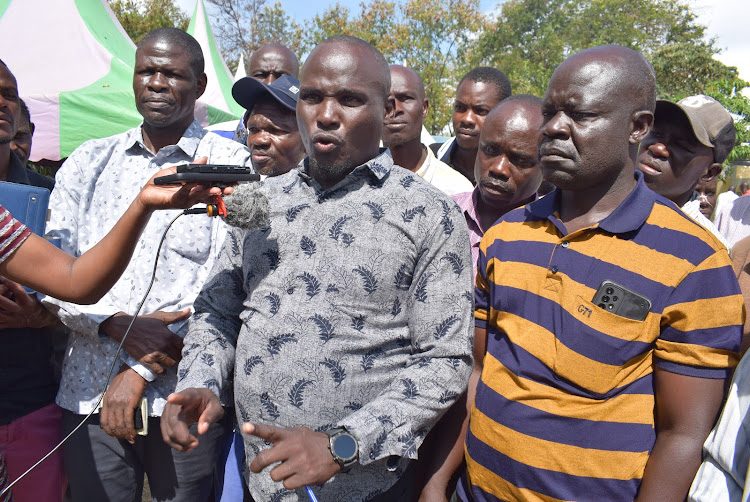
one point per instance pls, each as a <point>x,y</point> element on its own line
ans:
<point>548,306</point>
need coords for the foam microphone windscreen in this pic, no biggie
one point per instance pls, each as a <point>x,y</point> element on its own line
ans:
<point>247,207</point>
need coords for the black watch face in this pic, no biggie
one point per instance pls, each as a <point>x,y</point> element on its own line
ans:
<point>345,446</point>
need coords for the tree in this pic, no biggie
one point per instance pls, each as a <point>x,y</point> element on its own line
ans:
<point>139,17</point>
<point>532,37</point>
<point>246,25</point>
<point>432,37</point>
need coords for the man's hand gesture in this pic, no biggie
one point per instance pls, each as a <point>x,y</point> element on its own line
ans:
<point>185,408</point>
<point>304,455</point>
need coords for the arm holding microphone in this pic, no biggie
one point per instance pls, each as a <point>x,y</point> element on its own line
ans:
<point>41,266</point>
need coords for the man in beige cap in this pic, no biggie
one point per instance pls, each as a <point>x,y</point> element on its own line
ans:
<point>689,141</point>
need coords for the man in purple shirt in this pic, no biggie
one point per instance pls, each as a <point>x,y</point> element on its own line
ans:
<point>507,166</point>
<point>508,176</point>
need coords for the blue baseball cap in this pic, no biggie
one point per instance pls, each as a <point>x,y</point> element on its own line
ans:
<point>247,91</point>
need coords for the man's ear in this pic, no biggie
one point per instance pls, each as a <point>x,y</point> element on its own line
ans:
<point>425,108</point>
<point>201,87</point>
<point>32,128</point>
<point>390,106</point>
<point>712,172</point>
<point>641,123</point>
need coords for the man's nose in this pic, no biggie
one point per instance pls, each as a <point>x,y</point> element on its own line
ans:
<point>556,127</point>
<point>157,81</point>
<point>501,167</point>
<point>659,149</point>
<point>469,118</point>
<point>327,116</point>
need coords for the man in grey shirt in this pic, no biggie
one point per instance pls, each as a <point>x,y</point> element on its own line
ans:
<point>342,332</point>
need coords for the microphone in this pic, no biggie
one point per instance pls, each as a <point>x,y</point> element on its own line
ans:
<point>210,209</point>
<point>247,207</point>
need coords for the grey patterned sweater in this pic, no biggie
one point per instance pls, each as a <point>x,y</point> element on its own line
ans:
<point>353,308</point>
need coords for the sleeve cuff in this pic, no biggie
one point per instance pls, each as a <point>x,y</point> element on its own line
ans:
<point>146,373</point>
<point>693,371</point>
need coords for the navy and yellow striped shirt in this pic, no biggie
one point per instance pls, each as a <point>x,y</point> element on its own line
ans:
<point>564,409</point>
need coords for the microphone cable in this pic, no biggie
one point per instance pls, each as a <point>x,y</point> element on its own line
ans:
<point>211,211</point>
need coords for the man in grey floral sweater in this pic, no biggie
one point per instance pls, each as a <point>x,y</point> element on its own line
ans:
<point>342,332</point>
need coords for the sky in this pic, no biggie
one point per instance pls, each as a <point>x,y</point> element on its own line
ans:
<point>726,20</point>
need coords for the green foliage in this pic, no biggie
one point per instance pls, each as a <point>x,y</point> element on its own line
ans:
<point>432,37</point>
<point>442,40</point>
<point>532,37</point>
<point>140,17</point>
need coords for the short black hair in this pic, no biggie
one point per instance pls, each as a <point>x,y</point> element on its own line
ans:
<point>25,113</point>
<point>178,38</point>
<point>490,75</point>
<point>380,61</point>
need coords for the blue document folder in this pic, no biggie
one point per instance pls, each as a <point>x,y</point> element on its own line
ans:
<point>28,204</point>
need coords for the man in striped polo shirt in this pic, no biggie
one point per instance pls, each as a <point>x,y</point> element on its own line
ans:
<point>606,320</point>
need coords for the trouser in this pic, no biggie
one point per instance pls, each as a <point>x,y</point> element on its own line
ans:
<point>26,440</point>
<point>103,468</point>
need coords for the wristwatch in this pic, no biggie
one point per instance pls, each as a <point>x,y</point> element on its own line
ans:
<point>343,446</point>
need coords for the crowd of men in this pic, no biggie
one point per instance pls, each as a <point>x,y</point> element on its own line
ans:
<point>413,322</point>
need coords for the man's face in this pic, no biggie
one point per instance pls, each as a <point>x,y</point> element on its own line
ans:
<point>473,102</point>
<point>707,192</point>
<point>405,123</point>
<point>21,142</point>
<point>268,65</point>
<point>507,166</point>
<point>671,158</point>
<point>273,139</point>
<point>165,86</point>
<point>9,105</point>
<point>586,126</point>
<point>341,109</point>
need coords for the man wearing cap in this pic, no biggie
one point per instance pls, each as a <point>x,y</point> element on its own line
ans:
<point>271,123</point>
<point>276,147</point>
<point>689,141</point>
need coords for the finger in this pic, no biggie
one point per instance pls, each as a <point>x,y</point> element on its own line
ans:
<point>7,304</point>
<point>166,360</point>
<point>201,160</point>
<point>268,457</point>
<point>150,361</point>
<point>104,416</point>
<point>171,317</point>
<point>210,415</point>
<point>128,424</point>
<point>267,432</point>
<point>175,431</point>
<point>13,287</point>
<point>282,471</point>
<point>296,481</point>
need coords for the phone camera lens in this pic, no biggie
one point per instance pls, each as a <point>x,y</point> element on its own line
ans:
<point>605,298</point>
<point>614,298</point>
<point>601,306</point>
<point>610,291</point>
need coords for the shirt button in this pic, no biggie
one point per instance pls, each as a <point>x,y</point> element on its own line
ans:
<point>554,269</point>
<point>565,244</point>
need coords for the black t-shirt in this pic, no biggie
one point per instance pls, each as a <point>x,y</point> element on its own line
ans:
<point>27,380</point>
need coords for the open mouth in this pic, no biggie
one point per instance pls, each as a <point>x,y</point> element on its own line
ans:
<point>325,142</point>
